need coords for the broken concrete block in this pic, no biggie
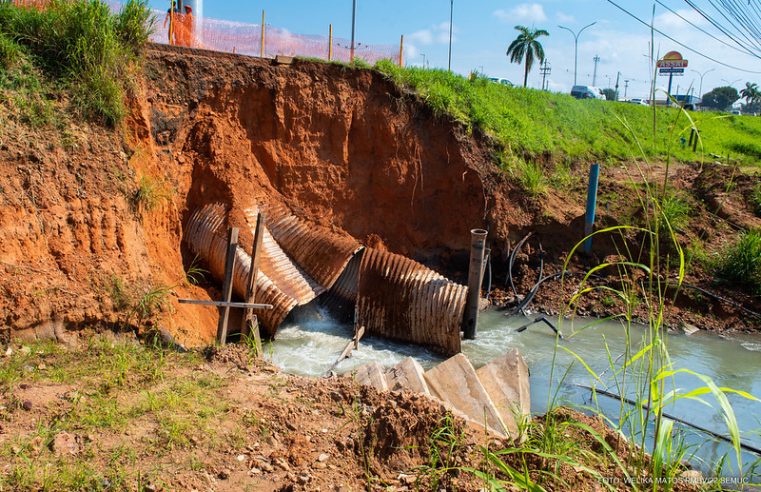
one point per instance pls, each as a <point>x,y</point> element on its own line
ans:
<point>689,329</point>
<point>371,375</point>
<point>506,381</point>
<point>408,376</point>
<point>455,382</point>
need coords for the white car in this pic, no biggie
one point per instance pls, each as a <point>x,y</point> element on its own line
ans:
<point>637,100</point>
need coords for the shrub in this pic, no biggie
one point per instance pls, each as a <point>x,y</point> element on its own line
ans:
<point>741,262</point>
<point>83,46</point>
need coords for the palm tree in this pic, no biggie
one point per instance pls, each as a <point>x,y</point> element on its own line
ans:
<point>526,45</point>
<point>751,93</point>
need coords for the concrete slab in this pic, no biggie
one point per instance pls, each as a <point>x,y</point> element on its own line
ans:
<point>506,381</point>
<point>455,382</point>
<point>371,375</point>
<point>407,376</point>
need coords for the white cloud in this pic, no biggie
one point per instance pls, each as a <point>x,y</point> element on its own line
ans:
<point>565,18</point>
<point>437,34</point>
<point>531,12</point>
<point>670,20</point>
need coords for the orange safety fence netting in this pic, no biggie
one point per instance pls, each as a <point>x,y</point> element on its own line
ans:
<point>246,39</point>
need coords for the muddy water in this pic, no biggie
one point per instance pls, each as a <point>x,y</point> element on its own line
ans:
<point>310,343</point>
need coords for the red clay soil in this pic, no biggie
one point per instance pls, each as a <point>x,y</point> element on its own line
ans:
<point>343,148</point>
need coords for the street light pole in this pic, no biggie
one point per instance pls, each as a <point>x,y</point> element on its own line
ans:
<point>576,47</point>
<point>451,19</point>
<point>353,28</point>
<point>731,84</point>
<point>700,91</point>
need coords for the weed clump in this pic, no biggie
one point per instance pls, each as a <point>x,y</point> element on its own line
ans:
<point>741,262</point>
<point>80,46</point>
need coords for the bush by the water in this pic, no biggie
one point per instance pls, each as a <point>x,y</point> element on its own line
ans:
<point>80,46</point>
<point>529,122</point>
<point>741,262</point>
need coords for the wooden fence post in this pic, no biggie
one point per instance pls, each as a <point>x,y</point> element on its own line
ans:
<point>227,287</point>
<point>330,43</point>
<point>401,52</point>
<point>250,321</point>
<point>263,30</point>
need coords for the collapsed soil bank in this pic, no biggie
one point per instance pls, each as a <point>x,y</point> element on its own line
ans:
<point>91,221</point>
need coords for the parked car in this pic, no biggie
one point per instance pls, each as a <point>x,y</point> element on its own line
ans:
<point>637,100</point>
<point>587,92</point>
<point>498,80</point>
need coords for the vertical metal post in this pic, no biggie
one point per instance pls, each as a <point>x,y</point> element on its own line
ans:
<point>475,276</point>
<point>451,20</point>
<point>330,43</point>
<point>353,28</point>
<point>401,52</point>
<point>227,287</point>
<point>263,31</point>
<point>668,96</point>
<point>589,220</point>
<point>250,321</point>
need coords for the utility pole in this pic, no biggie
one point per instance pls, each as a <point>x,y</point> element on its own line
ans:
<point>626,88</point>
<point>353,27</point>
<point>545,69</point>
<point>594,74</point>
<point>451,19</point>
<point>618,78</point>
<point>576,48</point>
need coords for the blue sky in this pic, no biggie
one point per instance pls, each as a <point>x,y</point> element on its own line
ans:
<point>483,29</point>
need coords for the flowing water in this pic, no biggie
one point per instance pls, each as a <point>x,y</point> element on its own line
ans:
<point>311,342</point>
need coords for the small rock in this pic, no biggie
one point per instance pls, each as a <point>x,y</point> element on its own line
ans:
<point>290,426</point>
<point>27,405</point>
<point>223,474</point>
<point>319,466</point>
<point>304,478</point>
<point>150,488</point>
<point>282,464</point>
<point>323,457</point>
<point>689,329</point>
<point>8,352</point>
<point>23,386</point>
<point>255,471</point>
<point>25,350</point>
<point>64,443</point>
<point>267,467</point>
<point>324,431</point>
<point>241,458</point>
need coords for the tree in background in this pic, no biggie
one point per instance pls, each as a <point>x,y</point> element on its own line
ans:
<point>720,98</point>
<point>610,94</point>
<point>526,46</point>
<point>752,96</point>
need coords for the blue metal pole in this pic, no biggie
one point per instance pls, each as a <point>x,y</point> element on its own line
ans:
<point>589,220</point>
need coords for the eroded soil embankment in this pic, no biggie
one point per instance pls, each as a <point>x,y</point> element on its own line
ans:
<point>92,221</point>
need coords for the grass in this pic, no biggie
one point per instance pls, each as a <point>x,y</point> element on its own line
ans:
<point>138,304</point>
<point>740,263</point>
<point>755,199</point>
<point>119,384</point>
<point>78,46</point>
<point>527,123</point>
<point>149,195</point>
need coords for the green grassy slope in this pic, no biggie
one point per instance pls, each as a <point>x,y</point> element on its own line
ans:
<point>531,122</point>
